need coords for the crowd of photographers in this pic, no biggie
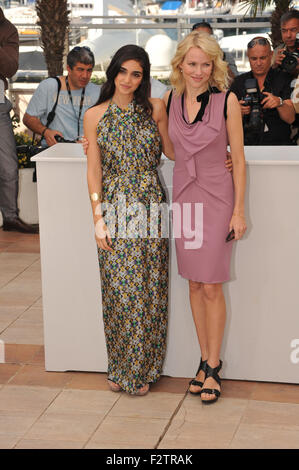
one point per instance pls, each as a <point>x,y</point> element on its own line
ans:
<point>268,96</point>
<point>266,93</point>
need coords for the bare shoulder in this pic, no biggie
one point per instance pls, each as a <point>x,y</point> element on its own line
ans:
<point>233,105</point>
<point>232,99</point>
<point>166,96</point>
<point>95,113</point>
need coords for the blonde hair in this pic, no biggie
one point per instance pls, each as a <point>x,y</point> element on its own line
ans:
<point>209,45</point>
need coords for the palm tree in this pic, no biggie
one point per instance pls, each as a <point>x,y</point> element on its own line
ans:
<point>281,7</point>
<point>53,19</point>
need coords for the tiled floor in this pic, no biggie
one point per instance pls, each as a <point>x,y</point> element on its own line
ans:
<point>40,409</point>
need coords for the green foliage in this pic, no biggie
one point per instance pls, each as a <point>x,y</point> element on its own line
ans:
<point>97,81</point>
<point>281,7</point>
<point>22,138</point>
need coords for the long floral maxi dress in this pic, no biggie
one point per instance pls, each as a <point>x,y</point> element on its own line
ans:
<point>135,276</point>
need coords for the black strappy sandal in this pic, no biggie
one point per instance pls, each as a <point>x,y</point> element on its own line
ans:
<point>197,383</point>
<point>212,372</point>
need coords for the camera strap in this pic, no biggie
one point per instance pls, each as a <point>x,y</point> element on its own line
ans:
<point>81,104</point>
<point>51,114</point>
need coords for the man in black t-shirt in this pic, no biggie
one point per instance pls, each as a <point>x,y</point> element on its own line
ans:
<point>268,117</point>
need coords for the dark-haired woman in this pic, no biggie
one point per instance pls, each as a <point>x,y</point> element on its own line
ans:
<point>126,131</point>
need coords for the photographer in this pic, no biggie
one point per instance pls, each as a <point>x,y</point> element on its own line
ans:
<point>77,94</point>
<point>9,171</point>
<point>264,96</point>
<point>286,55</point>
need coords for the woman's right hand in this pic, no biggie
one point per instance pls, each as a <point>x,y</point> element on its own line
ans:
<point>102,235</point>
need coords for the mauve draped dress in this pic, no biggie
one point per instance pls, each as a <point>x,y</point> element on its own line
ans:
<point>200,176</point>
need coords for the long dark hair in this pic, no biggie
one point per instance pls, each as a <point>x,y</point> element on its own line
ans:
<point>141,95</point>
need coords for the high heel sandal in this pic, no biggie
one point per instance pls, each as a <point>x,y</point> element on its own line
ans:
<point>212,372</point>
<point>197,383</point>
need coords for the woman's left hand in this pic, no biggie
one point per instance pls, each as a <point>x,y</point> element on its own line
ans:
<point>229,162</point>
<point>238,223</point>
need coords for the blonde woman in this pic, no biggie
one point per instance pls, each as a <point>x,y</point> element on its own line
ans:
<point>203,119</point>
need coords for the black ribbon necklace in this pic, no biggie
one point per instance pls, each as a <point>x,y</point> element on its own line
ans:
<point>203,98</point>
<point>81,104</point>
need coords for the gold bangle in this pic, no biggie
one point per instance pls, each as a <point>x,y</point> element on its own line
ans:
<point>96,197</point>
<point>239,215</point>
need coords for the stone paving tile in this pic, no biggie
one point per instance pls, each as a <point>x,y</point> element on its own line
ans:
<point>228,410</point>
<point>38,303</point>
<point>7,371</point>
<point>8,442</point>
<point>23,247</point>
<point>171,385</point>
<point>198,436</point>
<point>31,316</point>
<point>4,246</point>
<point>8,315</point>
<point>268,414</point>
<point>88,381</point>
<point>237,389</point>
<point>200,426</point>
<point>65,426</point>
<point>19,294</point>
<point>284,393</point>
<point>16,423</point>
<point>252,436</point>
<point>23,333</point>
<point>20,353</point>
<point>17,236</point>
<point>35,375</point>
<point>90,401</point>
<point>153,405</point>
<point>42,444</point>
<point>19,398</point>
<point>17,262</point>
<point>127,433</point>
<point>39,357</point>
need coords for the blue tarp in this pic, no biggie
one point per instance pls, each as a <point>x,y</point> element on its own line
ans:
<point>171,5</point>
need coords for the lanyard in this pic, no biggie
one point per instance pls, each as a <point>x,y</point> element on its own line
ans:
<point>81,103</point>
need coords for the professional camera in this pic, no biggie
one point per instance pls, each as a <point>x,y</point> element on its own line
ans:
<point>290,60</point>
<point>61,140</point>
<point>253,124</point>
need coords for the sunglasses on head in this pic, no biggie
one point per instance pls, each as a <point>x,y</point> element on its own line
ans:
<point>261,41</point>
<point>78,48</point>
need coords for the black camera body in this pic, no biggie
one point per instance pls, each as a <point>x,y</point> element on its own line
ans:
<point>61,140</point>
<point>254,123</point>
<point>290,60</point>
